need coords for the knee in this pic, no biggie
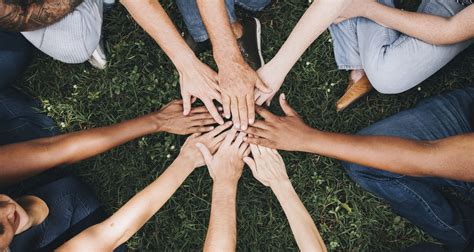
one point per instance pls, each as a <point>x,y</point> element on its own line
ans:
<point>389,78</point>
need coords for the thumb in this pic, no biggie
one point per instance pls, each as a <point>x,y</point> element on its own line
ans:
<point>285,107</point>
<point>205,153</point>
<point>251,163</point>
<point>186,104</point>
<point>263,87</point>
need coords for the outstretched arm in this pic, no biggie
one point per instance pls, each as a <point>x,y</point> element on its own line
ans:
<point>17,16</point>
<point>268,167</point>
<point>225,168</point>
<point>22,160</point>
<point>196,78</point>
<point>117,229</point>
<point>448,158</point>
<point>319,16</point>
<point>429,28</point>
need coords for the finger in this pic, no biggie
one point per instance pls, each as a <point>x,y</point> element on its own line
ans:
<point>216,95</point>
<point>240,138</point>
<point>262,86</point>
<point>219,129</point>
<point>255,150</point>
<point>201,129</point>
<point>285,107</point>
<point>259,141</point>
<point>243,112</point>
<point>226,106</point>
<point>234,108</point>
<point>193,99</point>
<point>186,104</point>
<point>205,153</point>
<point>250,109</point>
<point>267,115</point>
<point>203,122</point>
<point>251,164</point>
<point>199,110</point>
<point>261,99</point>
<point>261,125</point>
<point>257,132</point>
<point>229,137</point>
<point>243,148</point>
<point>213,111</point>
<point>200,116</point>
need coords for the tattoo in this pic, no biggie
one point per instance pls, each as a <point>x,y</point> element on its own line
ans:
<point>27,15</point>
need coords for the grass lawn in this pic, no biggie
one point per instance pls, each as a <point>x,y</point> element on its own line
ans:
<point>141,79</point>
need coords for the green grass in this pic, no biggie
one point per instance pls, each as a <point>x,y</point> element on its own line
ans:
<point>141,79</point>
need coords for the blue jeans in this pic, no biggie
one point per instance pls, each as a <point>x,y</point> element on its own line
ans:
<point>393,62</point>
<point>419,199</point>
<point>15,54</point>
<point>193,20</point>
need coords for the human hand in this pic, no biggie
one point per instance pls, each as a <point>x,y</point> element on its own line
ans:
<point>273,80</point>
<point>226,165</point>
<point>267,165</point>
<point>200,81</point>
<point>357,8</point>
<point>212,140</point>
<point>238,82</point>
<point>171,119</point>
<point>288,132</point>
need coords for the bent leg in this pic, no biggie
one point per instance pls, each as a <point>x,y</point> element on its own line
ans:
<point>73,39</point>
<point>346,45</point>
<point>395,62</point>
<point>15,55</point>
<point>419,199</point>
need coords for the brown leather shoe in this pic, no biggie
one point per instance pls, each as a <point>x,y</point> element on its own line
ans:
<point>354,92</point>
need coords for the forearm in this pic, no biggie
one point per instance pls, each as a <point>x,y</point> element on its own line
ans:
<point>224,42</point>
<point>429,28</point>
<point>306,234</point>
<point>151,16</point>
<point>222,232</point>
<point>18,17</point>
<point>449,158</point>
<point>117,229</point>
<point>22,160</point>
<point>319,16</point>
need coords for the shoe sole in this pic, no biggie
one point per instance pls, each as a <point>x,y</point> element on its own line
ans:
<point>259,41</point>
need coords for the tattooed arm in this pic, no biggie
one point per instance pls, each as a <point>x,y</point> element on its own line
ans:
<point>28,15</point>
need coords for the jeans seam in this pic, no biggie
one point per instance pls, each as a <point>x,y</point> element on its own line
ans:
<point>432,213</point>
<point>250,8</point>
<point>350,67</point>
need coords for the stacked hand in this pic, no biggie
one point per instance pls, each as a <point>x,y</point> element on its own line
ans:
<point>284,133</point>
<point>267,166</point>
<point>227,163</point>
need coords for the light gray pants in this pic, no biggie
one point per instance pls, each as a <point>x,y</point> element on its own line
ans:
<point>75,37</point>
<point>393,62</point>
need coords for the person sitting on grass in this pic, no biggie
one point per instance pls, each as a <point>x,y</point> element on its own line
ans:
<point>225,168</point>
<point>380,55</point>
<point>404,159</point>
<point>46,216</point>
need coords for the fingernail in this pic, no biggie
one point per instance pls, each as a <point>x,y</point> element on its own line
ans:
<point>211,128</point>
<point>245,138</point>
<point>227,116</point>
<point>252,121</point>
<point>244,127</point>
<point>283,96</point>
<point>229,123</point>
<point>237,126</point>
<point>220,108</point>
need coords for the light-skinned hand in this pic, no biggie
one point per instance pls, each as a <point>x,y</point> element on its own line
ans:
<point>200,81</point>
<point>237,82</point>
<point>287,132</point>
<point>273,80</point>
<point>226,165</point>
<point>267,165</point>
<point>212,140</point>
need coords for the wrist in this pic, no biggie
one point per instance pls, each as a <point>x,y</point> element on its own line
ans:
<point>228,59</point>
<point>281,187</point>
<point>308,140</point>
<point>185,60</point>
<point>185,162</point>
<point>226,183</point>
<point>369,9</point>
<point>278,67</point>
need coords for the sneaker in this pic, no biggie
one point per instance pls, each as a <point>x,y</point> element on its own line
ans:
<point>108,5</point>
<point>98,58</point>
<point>197,47</point>
<point>250,42</point>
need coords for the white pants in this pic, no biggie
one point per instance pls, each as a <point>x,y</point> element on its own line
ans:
<point>74,38</point>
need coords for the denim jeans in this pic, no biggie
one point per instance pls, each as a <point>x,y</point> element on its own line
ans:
<point>420,199</point>
<point>193,20</point>
<point>393,62</point>
<point>15,54</point>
